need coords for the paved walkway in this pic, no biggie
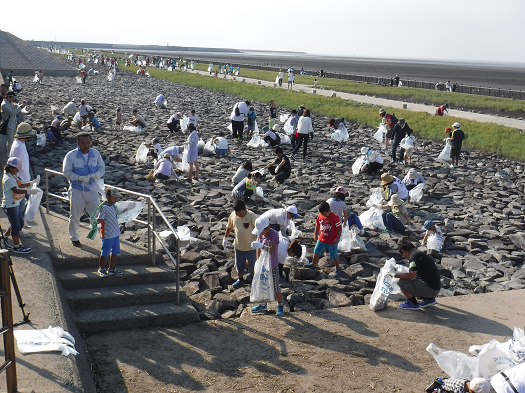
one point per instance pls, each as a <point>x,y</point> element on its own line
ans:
<point>383,102</point>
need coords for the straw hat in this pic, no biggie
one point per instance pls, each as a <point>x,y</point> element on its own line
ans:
<point>386,178</point>
<point>395,201</point>
<point>24,130</point>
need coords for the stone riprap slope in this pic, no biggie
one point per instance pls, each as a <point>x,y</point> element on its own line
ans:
<point>479,205</point>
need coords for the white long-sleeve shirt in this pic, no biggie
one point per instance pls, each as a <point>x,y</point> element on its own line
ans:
<point>304,125</point>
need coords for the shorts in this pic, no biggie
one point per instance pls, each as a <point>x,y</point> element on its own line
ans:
<point>389,133</point>
<point>251,128</point>
<point>409,152</point>
<point>276,278</point>
<point>240,260</point>
<point>117,123</point>
<point>418,288</point>
<point>320,247</point>
<point>221,152</point>
<point>110,246</point>
<point>455,152</point>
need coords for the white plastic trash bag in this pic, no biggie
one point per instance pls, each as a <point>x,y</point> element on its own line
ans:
<point>183,165</point>
<point>380,132</point>
<point>283,118</point>
<point>288,126</point>
<point>277,79</point>
<point>341,135</point>
<point>142,154</point>
<point>386,284</point>
<point>32,206</point>
<point>376,199</point>
<point>407,142</point>
<point>36,78</point>
<point>435,241</point>
<point>262,283</point>
<point>255,141</point>
<point>372,218</point>
<point>184,123</point>
<point>70,109</point>
<point>209,148</point>
<point>350,241</point>
<point>454,363</point>
<point>45,340</point>
<point>285,139</point>
<point>79,79</point>
<point>128,210</point>
<point>230,127</point>
<point>183,232</point>
<point>133,128</point>
<point>81,66</point>
<point>356,167</point>
<point>55,110</point>
<point>294,232</point>
<point>41,139</point>
<point>416,193</point>
<point>445,153</point>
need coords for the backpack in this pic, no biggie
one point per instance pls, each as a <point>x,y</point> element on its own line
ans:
<point>237,111</point>
<point>393,118</point>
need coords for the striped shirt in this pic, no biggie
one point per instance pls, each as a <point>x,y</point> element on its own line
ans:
<point>109,226</point>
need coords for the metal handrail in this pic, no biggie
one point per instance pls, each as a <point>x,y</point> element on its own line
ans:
<point>9,366</point>
<point>152,210</point>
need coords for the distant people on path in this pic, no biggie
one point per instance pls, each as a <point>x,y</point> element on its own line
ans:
<point>305,129</point>
<point>373,161</point>
<point>291,80</point>
<point>456,141</point>
<point>401,129</point>
<point>137,120</point>
<point>240,111</point>
<point>280,78</point>
<point>448,87</point>
<point>83,167</point>
<point>9,109</point>
<point>397,80</point>
<point>193,153</point>
<point>281,167</point>
<point>442,110</point>
<point>422,280</point>
<point>271,136</point>
<point>107,218</point>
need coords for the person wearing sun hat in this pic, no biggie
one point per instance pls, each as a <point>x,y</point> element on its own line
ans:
<point>456,141</point>
<point>392,185</point>
<point>413,178</point>
<point>395,220</point>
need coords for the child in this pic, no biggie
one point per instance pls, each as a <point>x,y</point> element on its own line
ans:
<point>272,111</point>
<point>327,234</point>
<point>269,239</point>
<point>251,122</point>
<point>118,118</point>
<point>431,228</point>
<point>13,203</point>
<point>315,82</point>
<point>194,119</point>
<point>107,218</point>
<point>287,249</point>
<point>411,140</point>
<point>193,152</point>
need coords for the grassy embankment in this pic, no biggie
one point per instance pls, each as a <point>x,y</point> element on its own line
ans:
<point>489,137</point>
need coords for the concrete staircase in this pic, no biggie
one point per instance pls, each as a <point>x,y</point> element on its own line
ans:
<point>144,296</point>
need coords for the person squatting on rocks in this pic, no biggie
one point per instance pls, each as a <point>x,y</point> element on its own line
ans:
<point>54,134</point>
<point>395,220</point>
<point>271,136</point>
<point>137,120</point>
<point>281,167</point>
<point>328,228</point>
<point>392,185</point>
<point>335,123</point>
<point>413,178</point>
<point>173,123</point>
<point>9,109</point>
<point>240,111</point>
<point>431,229</point>
<point>82,166</point>
<point>442,110</point>
<point>268,239</point>
<point>305,129</point>
<point>401,129</point>
<point>422,281</point>
<point>175,153</point>
<point>160,102</point>
<point>373,161</point>
<point>107,218</point>
<point>242,171</point>
<point>221,145</point>
<point>280,218</point>
<point>242,222</point>
<point>246,187</point>
<point>456,141</point>
<point>389,121</point>
<point>164,168</point>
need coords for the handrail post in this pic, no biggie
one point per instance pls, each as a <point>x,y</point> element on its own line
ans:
<point>149,226</point>
<point>178,269</point>
<point>154,229</point>
<point>47,191</point>
<point>7,321</point>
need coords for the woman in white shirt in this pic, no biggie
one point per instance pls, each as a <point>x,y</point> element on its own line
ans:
<point>304,129</point>
<point>164,168</point>
<point>221,145</point>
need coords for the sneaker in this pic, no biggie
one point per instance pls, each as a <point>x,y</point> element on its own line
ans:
<point>452,165</point>
<point>310,266</point>
<point>5,244</point>
<point>408,305</point>
<point>24,234</point>
<point>427,303</point>
<point>114,272</point>
<point>76,243</point>
<point>21,250</point>
<point>338,272</point>
<point>455,165</point>
<point>280,309</point>
<point>102,272</point>
<point>260,308</point>
<point>237,284</point>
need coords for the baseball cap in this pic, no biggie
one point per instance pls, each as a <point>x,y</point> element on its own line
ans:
<point>364,150</point>
<point>59,117</point>
<point>114,192</point>
<point>456,124</point>
<point>427,225</point>
<point>260,224</point>
<point>15,162</point>
<point>292,210</point>
<point>10,94</point>
<point>155,140</point>
<point>341,190</point>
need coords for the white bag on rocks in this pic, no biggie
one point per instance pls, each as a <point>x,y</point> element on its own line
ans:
<point>376,199</point>
<point>70,109</point>
<point>184,234</point>
<point>230,127</point>
<point>262,283</point>
<point>255,141</point>
<point>184,123</point>
<point>142,154</point>
<point>386,284</point>
<point>133,128</point>
<point>288,126</point>
<point>79,79</point>
<point>350,241</point>
<point>209,148</point>
<point>356,167</point>
<point>45,340</point>
<point>183,165</point>
<point>285,139</point>
<point>445,153</point>
<point>435,242</point>
<point>41,139</point>
<point>372,218</point>
<point>341,135</point>
<point>283,118</point>
<point>55,110</point>
<point>416,193</point>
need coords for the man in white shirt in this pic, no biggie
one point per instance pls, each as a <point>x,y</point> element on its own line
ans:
<point>174,151</point>
<point>281,75</point>
<point>174,122</point>
<point>160,102</point>
<point>279,218</point>
<point>240,111</point>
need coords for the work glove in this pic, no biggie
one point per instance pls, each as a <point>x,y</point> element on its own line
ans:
<point>277,169</point>
<point>84,179</point>
<point>95,176</point>
<point>256,245</point>
<point>32,191</point>
<point>35,181</point>
<point>224,242</point>
<point>311,136</point>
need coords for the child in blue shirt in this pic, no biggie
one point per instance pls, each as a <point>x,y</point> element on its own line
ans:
<point>107,218</point>
<point>251,122</point>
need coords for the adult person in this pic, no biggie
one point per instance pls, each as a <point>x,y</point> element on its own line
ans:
<point>272,114</point>
<point>240,111</point>
<point>442,110</point>
<point>395,220</point>
<point>24,132</point>
<point>82,166</point>
<point>392,185</point>
<point>448,87</point>
<point>242,171</point>
<point>456,141</point>
<point>304,129</point>
<point>389,121</point>
<point>173,123</point>
<point>413,178</point>
<point>335,123</point>
<point>221,145</point>
<point>10,78</point>
<point>281,167</point>
<point>247,186</point>
<point>397,80</point>
<point>373,161</point>
<point>293,123</point>
<point>401,129</point>
<point>84,112</point>
<point>291,80</point>
<point>9,109</point>
<point>3,92</point>
<point>160,102</point>
<point>242,222</point>
<point>280,218</point>
<point>270,136</point>
<point>164,168</point>
<point>422,280</point>
<point>137,120</point>
<point>281,75</point>
<point>192,155</point>
<point>66,123</point>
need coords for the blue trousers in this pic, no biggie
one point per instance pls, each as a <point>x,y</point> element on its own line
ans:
<point>392,223</point>
<point>354,219</point>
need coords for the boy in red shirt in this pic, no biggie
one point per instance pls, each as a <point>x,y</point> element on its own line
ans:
<point>327,234</point>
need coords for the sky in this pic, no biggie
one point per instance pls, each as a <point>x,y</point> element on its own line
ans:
<point>479,30</point>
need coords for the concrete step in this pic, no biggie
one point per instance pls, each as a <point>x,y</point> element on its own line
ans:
<point>134,295</point>
<point>110,319</point>
<point>131,275</point>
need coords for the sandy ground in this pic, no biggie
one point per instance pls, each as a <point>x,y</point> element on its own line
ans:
<point>330,350</point>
